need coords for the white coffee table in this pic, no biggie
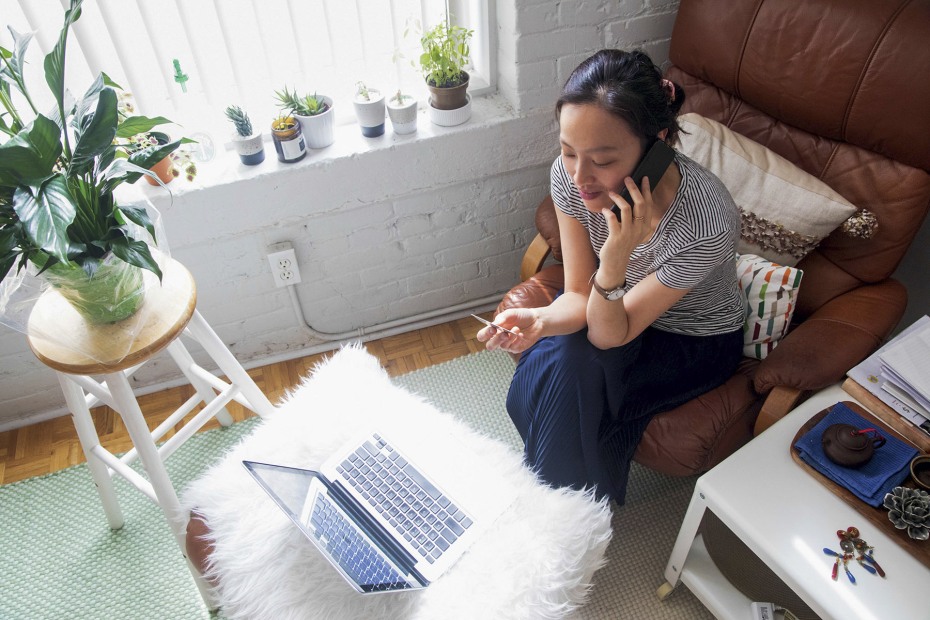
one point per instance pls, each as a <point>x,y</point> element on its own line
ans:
<point>787,517</point>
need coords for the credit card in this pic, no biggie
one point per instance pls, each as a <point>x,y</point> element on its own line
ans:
<point>494,325</point>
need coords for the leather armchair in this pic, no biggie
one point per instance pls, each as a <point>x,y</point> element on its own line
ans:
<point>833,86</point>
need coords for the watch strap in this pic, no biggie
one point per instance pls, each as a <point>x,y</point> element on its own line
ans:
<point>608,294</point>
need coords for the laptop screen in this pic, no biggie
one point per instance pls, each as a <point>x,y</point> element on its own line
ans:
<point>305,498</point>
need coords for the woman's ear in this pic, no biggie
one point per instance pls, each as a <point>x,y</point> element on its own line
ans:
<point>663,134</point>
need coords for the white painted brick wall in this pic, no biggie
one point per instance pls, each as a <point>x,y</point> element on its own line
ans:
<point>383,229</point>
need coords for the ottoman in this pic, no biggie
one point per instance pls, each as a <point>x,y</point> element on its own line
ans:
<point>536,561</point>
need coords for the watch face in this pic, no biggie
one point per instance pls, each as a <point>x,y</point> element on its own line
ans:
<point>616,294</point>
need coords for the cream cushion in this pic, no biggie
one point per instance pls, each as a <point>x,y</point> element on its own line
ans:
<point>785,211</point>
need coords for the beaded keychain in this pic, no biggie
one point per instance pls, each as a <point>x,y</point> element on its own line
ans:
<point>853,547</point>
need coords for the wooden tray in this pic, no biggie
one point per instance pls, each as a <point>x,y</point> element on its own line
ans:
<point>876,516</point>
<point>889,416</point>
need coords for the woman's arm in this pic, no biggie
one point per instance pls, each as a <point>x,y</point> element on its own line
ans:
<point>615,323</point>
<point>565,315</point>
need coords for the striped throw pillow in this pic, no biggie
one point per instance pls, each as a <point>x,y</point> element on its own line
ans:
<point>769,290</point>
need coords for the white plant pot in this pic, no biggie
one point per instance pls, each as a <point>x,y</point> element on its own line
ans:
<point>403,116</point>
<point>370,113</point>
<point>450,118</point>
<point>319,130</point>
<point>251,150</point>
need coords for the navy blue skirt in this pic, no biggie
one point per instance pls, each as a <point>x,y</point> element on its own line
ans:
<point>581,411</point>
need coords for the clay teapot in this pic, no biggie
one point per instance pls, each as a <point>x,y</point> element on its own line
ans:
<point>849,446</point>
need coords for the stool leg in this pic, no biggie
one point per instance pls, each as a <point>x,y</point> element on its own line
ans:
<point>87,435</point>
<point>155,470</point>
<point>208,339</point>
<point>183,359</point>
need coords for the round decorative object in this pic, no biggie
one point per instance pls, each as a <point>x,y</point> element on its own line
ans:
<point>920,470</point>
<point>848,446</point>
<point>450,118</point>
<point>909,509</point>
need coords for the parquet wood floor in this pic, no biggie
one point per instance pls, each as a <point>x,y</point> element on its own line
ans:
<point>52,445</point>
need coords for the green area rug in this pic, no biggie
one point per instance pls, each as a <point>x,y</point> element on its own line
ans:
<point>60,560</point>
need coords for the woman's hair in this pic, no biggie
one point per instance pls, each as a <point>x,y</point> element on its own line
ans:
<point>629,86</point>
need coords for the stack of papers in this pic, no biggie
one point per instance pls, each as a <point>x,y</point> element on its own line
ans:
<point>905,368</point>
<point>899,374</point>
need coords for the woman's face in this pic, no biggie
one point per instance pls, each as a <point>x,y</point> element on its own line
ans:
<point>599,151</point>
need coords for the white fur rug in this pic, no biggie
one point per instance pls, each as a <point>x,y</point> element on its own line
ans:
<point>543,550</point>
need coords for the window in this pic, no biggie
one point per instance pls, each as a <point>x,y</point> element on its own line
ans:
<point>241,51</point>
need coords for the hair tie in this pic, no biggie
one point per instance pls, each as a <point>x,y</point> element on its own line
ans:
<point>669,87</point>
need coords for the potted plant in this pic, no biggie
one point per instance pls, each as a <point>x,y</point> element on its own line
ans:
<point>58,174</point>
<point>402,110</point>
<point>248,144</point>
<point>445,55</point>
<point>369,110</point>
<point>288,139</point>
<point>161,169</point>
<point>313,112</point>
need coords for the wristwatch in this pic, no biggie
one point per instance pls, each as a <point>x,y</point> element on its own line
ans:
<point>609,295</point>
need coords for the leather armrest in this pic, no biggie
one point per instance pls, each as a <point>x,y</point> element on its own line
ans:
<point>840,334</point>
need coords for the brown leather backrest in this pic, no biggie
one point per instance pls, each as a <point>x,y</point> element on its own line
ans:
<point>840,88</point>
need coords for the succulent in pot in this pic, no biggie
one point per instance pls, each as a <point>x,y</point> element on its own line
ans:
<point>369,110</point>
<point>58,174</point>
<point>248,143</point>
<point>313,112</point>
<point>402,110</point>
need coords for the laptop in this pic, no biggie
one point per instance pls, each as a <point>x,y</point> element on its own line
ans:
<point>390,512</point>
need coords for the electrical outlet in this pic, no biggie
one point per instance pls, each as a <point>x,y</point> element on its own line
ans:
<point>284,267</point>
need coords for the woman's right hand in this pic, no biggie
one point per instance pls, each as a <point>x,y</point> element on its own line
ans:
<point>524,321</point>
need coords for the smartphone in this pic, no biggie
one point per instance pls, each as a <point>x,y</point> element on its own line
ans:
<point>494,325</point>
<point>653,165</point>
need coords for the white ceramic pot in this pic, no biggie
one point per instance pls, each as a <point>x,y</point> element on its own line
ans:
<point>450,118</point>
<point>319,130</point>
<point>250,148</point>
<point>370,113</point>
<point>403,115</point>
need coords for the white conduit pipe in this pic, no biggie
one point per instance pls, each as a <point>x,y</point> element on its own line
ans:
<point>389,328</point>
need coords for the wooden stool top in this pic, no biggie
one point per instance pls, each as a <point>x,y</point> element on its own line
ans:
<point>65,341</point>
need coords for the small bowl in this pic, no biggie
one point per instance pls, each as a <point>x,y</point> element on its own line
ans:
<point>920,470</point>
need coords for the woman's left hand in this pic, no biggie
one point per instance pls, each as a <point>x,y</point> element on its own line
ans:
<point>633,227</point>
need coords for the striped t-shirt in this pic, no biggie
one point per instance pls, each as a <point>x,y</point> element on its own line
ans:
<point>693,247</point>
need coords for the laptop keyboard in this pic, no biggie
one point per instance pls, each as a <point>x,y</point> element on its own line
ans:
<point>414,507</point>
<point>355,554</point>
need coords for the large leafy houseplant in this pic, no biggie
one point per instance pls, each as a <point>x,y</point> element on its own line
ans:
<point>58,173</point>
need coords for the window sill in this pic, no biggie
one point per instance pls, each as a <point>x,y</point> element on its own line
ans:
<point>225,168</point>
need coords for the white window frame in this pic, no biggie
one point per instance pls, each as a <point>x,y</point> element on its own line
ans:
<point>87,54</point>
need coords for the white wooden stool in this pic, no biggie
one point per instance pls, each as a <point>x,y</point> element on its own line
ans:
<point>81,349</point>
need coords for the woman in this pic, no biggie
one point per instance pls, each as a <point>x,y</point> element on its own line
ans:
<point>650,316</point>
